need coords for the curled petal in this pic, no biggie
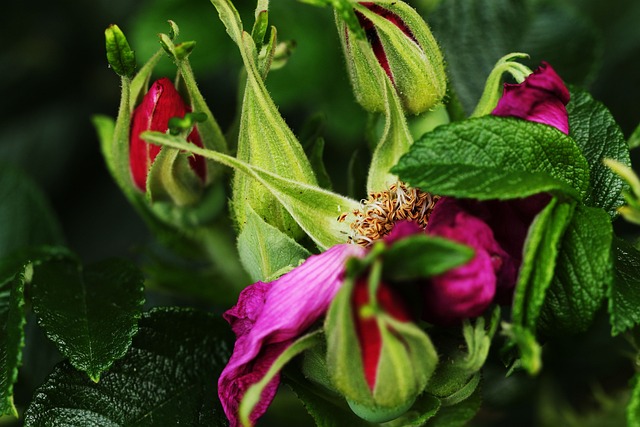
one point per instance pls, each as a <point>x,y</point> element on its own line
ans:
<point>465,291</point>
<point>541,98</point>
<point>268,318</point>
<point>509,220</point>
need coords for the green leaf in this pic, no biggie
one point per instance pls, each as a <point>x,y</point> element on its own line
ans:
<point>623,295</point>
<point>538,264</point>
<point>583,273</point>
<point>168,377</point>
<point>315,209</point>
<point>315,152</point>
<point>598,135</point>
<point>12,321</point>
<point>91,313</point>
<point>265,250</point>
<point>422,256</point>
<point>495,158</point>
<point>26,215</point>
<point>119,54</point>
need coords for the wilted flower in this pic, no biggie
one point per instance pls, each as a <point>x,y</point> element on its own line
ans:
<point>161,103</point>
<point>270,316</point>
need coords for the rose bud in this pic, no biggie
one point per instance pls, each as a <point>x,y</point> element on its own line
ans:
<point>161,103</point>
<point>542,97</point>
<point>405,50</point>
<point>376,356</point>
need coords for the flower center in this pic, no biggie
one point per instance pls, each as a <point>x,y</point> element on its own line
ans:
<point>379,213</point>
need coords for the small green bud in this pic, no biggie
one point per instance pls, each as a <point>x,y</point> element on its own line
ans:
<point>119,54</point>
<point>400,44</point>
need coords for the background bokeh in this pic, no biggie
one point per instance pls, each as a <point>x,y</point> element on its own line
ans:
<point>55,77</point>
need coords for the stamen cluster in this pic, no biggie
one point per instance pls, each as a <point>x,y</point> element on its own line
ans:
<point>383,209</point>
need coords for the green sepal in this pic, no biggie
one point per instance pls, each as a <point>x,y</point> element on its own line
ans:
<point>267,54</point>
<point>530,351</point>
<point>344,357</point>
<point>171,179</point>
<point>119,54</point>
<point>420,256</point>
<point>458,373</point>
<point>315,209</point>
<point>417,68</point>
<point>541,250</point>
<point>493,88</point>
<point>260,27</point>
<point>264,250</point>
<point>208,128</point>
<point>277,150</point>
<point>252,395</point>
<point>393,144</point>
<point>315,152</point>
<point>630,211</point>
<point>634,139</point>
<point>366,75</point>
<point>425,408</point>
<point>633,408</point>
<point>406,362</point>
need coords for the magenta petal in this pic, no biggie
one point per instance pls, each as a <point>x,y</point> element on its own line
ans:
<point>541,98</point>
<point>269,316</point>
<point>402,229</point>
<point>465,291</point>
<point>461,293</point>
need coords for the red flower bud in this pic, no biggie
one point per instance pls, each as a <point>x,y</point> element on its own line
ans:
<point>367,326</point>
<point>160,103</point>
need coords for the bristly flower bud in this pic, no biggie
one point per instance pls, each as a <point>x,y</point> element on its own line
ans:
<point>377,358</point>
<point>159,105</point>
<point>402,46</point>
